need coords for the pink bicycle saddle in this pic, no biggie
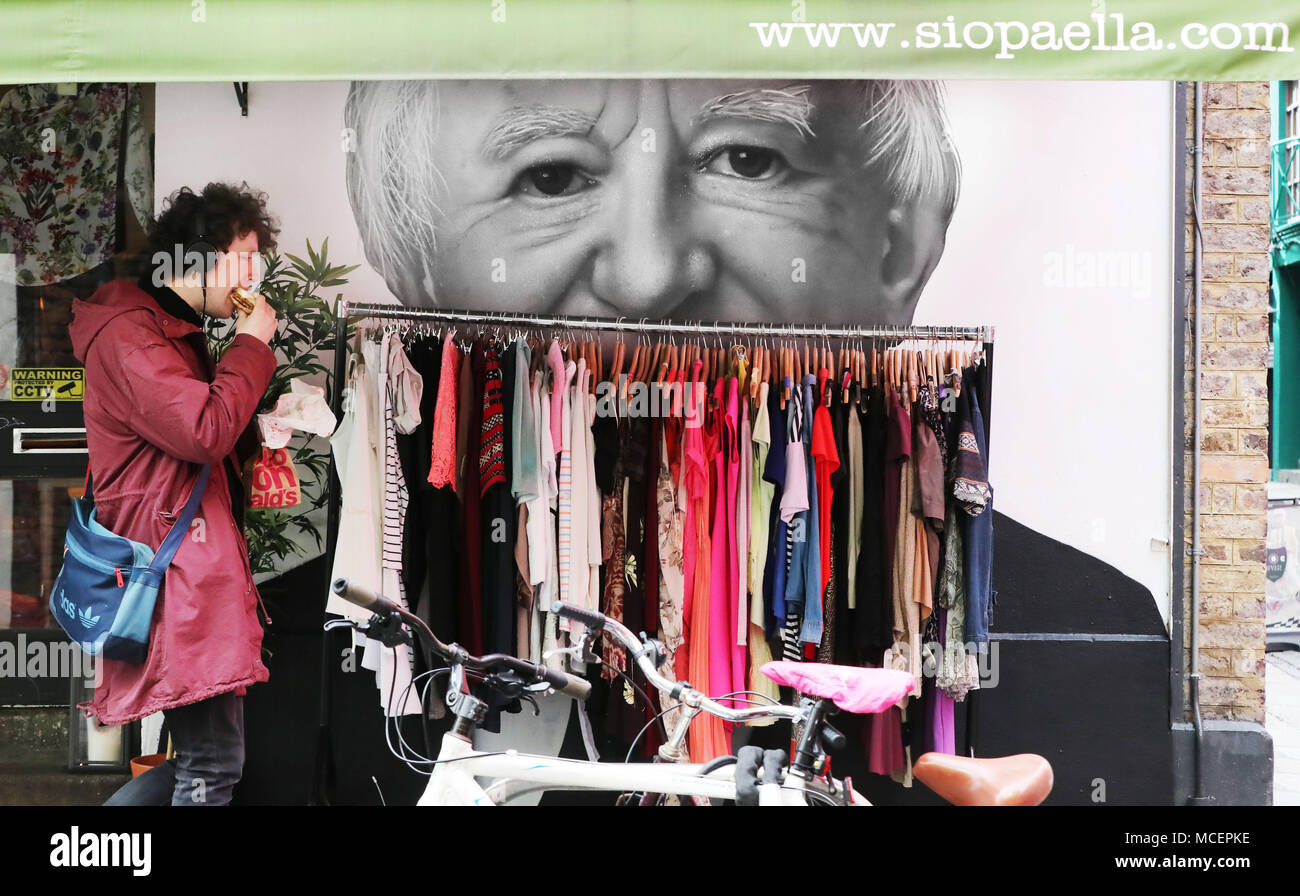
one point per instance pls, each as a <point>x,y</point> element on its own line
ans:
<point>851,688</point>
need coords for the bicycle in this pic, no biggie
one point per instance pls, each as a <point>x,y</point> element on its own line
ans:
<point>1016,780</point>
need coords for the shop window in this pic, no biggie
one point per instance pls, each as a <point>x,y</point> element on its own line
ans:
<point>76,183</point>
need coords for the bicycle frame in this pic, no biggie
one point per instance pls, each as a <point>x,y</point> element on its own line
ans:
<point>516,774</point>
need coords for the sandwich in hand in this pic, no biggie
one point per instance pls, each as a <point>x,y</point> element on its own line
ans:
<point>244,300</point>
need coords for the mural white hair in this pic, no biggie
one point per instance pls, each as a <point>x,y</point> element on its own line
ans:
<point>908,139</point>
<point>394,183</point>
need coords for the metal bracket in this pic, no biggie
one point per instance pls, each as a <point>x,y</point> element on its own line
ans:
<point>241,95</point>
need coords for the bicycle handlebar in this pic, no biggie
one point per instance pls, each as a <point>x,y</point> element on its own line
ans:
<point>574,686</point>
<point>364,597</point>
<point>678,690</point>
<point>571,685</point>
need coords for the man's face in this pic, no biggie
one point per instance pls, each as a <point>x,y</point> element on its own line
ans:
<point>239,265</point>
<point>683,199</point>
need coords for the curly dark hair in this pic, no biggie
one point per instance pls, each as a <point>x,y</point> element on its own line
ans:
<point>209,221</point>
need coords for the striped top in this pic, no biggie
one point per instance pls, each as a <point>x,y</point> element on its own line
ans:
<point>492,458</point>
<point>395,494</point>
<point>564,542</point>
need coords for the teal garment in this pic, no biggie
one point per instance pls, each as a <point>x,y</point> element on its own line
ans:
<point>525,482</point>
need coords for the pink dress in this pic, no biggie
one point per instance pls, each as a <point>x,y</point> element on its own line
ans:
<point>719,593</point>
<point>708,737</point>
<point>726,657</point>
<point>555,360</point>
<point>442,467</point>
<point>691,448</point>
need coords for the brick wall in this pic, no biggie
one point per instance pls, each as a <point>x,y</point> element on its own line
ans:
<point>1234,397</point>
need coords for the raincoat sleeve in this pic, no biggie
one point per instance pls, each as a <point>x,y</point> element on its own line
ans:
<point>183,415</point>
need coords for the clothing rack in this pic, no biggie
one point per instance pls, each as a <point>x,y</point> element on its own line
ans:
<point>644,325</point>
<point>346,311</point>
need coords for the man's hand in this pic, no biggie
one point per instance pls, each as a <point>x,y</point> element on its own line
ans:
<point>261,322</point>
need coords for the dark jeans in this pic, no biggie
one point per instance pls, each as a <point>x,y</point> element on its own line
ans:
<point>209,741</point>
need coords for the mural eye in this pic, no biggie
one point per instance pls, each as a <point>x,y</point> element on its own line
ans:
<point>552,179</point>
<point>746,162</point>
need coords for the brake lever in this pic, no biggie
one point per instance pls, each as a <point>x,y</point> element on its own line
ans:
<point>653,648</point>
<point>582,651</point>
<point>575,651</point>
<point>389,631</point>
<point>525,695</point>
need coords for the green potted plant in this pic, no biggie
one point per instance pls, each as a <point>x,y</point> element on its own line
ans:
<point>293,286</point>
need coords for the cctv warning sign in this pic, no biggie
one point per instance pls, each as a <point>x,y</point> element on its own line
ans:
<point>44,383</point>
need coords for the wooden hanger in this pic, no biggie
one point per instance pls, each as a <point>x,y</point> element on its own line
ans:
<point>784,353</point>
<point>647,362</point>
<point>634,366</point>
<point>655,360</point>
<point>861,380</point>
<point>846,374</point>
<point>616,369</point>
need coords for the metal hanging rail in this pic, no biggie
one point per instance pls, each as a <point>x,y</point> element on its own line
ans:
<point>643,325</point>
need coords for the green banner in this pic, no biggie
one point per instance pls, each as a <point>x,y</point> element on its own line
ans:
<point>265,40</point>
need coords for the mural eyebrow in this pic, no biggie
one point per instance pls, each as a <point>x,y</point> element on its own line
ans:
<point>790,106</point>
<point>518,126</point>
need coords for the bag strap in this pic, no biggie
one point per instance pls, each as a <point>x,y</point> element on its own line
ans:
<point>163,558</point>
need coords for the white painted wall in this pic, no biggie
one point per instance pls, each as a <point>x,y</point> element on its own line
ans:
<point>1082,374</point>
<point>1081,402</point>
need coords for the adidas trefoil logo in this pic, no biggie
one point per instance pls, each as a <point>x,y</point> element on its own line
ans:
<point>82,615</point>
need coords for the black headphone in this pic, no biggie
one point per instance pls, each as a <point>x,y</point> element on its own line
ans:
<point>198,242</point>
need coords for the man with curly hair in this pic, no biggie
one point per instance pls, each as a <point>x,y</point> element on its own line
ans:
<point>157,410</point>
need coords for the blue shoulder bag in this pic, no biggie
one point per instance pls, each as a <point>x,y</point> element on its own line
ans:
<point>105,593</point>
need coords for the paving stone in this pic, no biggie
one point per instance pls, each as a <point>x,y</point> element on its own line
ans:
<point>1282,719</point>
